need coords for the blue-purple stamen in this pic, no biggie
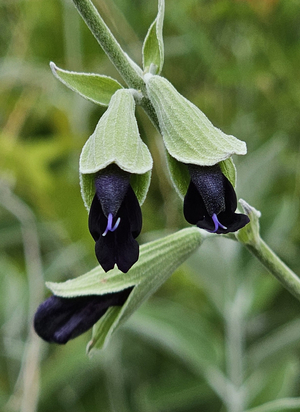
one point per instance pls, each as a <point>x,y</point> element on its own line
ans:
<point>109,227</point>
<point>217,224</point>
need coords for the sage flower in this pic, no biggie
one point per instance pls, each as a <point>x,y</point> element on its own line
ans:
<point>58,319</point>
<point>115,220</point>
<point>210,201</point>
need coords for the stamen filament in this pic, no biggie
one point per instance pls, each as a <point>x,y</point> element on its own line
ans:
<point>116,224</point>
<point>217,223</point>
<point>109,227</point>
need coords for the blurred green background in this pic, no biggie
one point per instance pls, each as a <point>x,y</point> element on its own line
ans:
<point>221,334</point>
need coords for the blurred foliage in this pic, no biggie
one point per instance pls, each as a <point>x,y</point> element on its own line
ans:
<point>221,334</point>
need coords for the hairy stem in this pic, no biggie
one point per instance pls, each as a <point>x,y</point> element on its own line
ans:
<point>108,43</point>
<point>118,57</point>
<point>249,236</point>
<point>275,265</point>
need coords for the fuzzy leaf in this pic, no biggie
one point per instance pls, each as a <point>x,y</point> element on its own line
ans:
<point>188,134</point>
<point>156,263</point>
<point>116,139</point>
<point>229,170</point>
<point>94,87</point>
<point>140,184</point>
<point>179,175</point>
<point>153,47</point>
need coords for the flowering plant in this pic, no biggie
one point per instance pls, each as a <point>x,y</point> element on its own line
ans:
<point>115,171</point>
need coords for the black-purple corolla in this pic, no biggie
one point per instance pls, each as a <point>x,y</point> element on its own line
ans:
<point>115,219</point>
<point>58,319</point>
<point>210,201</point>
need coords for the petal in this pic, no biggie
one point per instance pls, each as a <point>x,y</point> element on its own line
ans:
<point>127,247</point>
<point>207,224</point>
<point>134,212</point>
<point>209,193</point>
<point>97,220</point>
<point>105,251</point>
<point>230,196</point>
<point>118,247</point>
<point>233,222</point>
<point>111,187</point>
<point>193,206</point>
<point>60,319</point>
<point>210,185</point>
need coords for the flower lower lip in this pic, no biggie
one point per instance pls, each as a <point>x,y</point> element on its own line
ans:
<point>211,200</point>
<point>113,228</point>
<point>217,224</point>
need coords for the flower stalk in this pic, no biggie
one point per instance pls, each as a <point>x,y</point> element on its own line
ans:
<point>108,43</point>
<point>115,53</point>
<point>276,266</point>
<point>249,236</point>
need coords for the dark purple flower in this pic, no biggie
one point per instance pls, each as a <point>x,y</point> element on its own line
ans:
<point>210,201</point>
<point>115,220</point>
<point>57,319</point>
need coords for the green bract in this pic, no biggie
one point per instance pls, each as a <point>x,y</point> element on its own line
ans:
<point>116,139</point>
<point>156,263</point>
<point>94,87</point>
<point>153,47</point>
<point>188,134</point>
<point>250,233</point>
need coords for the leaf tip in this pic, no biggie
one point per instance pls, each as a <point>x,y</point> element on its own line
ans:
<point>243,150</point>
<point>54,69</point>
<point>53,66</point>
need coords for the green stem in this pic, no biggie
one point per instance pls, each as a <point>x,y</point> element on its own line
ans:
<point>109,44</point>
<point>275,265</point>
<point>115,53</point>
<point>249,236</point>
